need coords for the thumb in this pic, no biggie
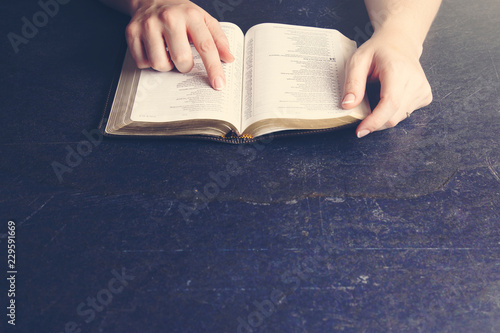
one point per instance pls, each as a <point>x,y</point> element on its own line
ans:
<point>356,73</point>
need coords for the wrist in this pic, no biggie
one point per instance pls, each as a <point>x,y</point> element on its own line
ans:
<point>396,35</point>
<point>133,6</point>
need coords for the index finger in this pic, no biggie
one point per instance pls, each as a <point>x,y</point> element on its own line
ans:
<point>220,39</point>
<point>205,45</point>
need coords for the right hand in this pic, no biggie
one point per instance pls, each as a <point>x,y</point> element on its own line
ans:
<point>392,58</point>
<point>157,24</point>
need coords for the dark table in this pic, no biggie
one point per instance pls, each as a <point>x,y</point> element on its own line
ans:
<point>396,232</point>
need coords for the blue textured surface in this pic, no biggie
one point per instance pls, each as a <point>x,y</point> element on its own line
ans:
<point>397,232</point>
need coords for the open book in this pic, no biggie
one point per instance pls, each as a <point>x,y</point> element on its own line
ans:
<point>284,77</point>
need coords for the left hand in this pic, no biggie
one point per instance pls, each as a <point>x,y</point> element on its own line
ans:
<point>157,24</point>
<point>394,61</point>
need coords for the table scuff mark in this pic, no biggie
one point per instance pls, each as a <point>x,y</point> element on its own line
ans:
<point>36,211</point>
<point>490,167</point>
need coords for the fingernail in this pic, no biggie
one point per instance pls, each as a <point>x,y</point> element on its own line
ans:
<point>219,83</point>
<point>363,133</point>
<point>348,99</point>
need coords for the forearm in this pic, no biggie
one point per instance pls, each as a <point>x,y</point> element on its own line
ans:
<point>409,19</point>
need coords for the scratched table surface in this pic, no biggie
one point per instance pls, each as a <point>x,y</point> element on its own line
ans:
<point>396,232</point>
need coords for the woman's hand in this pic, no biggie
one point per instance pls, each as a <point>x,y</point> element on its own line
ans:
<point>393,59</point>
<point>160,24</point>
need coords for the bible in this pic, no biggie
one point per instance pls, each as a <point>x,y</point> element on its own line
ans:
<point>283,78</point>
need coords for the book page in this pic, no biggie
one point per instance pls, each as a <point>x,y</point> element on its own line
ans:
<point>174,96</point>
<point>293,72</point>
